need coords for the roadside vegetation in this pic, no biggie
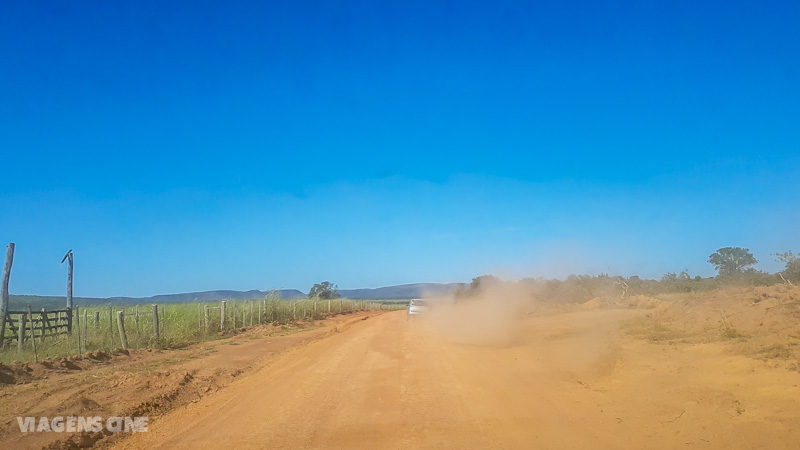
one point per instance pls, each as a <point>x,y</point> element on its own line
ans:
<point>733,265</point>
<point>179,324</point>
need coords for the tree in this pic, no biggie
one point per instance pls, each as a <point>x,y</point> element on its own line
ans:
<point>325,290</point>
<point>792,261</point>
<point>731,261</point>
<point>669,277</point>
<point>483,281</point>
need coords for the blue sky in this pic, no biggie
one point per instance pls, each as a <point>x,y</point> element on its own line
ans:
<point>182,146</point>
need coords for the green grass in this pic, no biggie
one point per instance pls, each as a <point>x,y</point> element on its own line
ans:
<point>180,324</point>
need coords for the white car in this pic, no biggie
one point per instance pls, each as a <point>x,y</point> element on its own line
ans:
<point>416,307</point>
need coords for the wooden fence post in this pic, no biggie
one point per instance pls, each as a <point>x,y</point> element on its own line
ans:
<point>260,304</point>
<point>77,326</point>
<point>155,321</point>
<point>205,318</point>
<point>111,326</point>
<point>222,306</point>
<point>68,257</point>
<point>97,319</point>
<point>233,314</point>
<point>85,323</point>
<point>251,313</point>
<point>4,292</point>
<point>33,338</point>
<point>163,319</point>
<point>123,338</point>
<point>136,321</point>
<point>21,332</point>
<point>45,322</point>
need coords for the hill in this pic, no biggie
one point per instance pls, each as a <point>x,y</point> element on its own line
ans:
<point>403,291</point>
<point>415,290</point>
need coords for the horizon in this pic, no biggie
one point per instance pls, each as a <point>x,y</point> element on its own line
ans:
<point>187,149</point>
<point>341,289</point>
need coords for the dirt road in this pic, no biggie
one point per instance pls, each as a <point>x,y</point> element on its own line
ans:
<point>567,380</point>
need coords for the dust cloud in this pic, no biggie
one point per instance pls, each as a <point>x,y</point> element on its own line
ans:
<point>490,315</point>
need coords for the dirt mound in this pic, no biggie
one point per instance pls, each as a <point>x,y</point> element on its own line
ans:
<point>20,373</point>
<point>761,321</point>
<point>15,373</point>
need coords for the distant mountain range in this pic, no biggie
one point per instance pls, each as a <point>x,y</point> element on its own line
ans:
<point>403,291</point>
<point>415,290</point>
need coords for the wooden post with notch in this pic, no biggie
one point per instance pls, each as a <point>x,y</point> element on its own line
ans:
<point>4,294</point>
<point>68,257</point>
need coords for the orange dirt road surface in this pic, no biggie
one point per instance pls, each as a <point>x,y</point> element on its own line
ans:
<point>567,380</point>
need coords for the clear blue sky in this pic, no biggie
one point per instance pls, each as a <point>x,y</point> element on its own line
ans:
<point>181,146</point>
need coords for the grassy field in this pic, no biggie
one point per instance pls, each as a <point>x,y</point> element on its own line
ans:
<point>179,324</point>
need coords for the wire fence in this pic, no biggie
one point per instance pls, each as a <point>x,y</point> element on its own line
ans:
<point>114,327</point>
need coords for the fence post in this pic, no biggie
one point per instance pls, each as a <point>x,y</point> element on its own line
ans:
<point>155,321</point>
<point>136,321</point>
<point>97,319</point>
<point>44,320</point>
<point>329,306</point>
<point>260,304</point>
<point>85,322</point>
<point>294,310</point>
<point>21,332</point>
<point>33,338</point>
<point>163,319</point>
<point>4,293</point>
<point>77,326</point>
<point>233,314</point>
<point>121,325</point>
<point>222,315</point>
<point>68,257</point>
<point>251,314</point>
<point>205,318</point>
<point>111,326</point>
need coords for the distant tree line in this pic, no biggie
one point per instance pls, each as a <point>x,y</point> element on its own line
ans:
<point>733,265</point>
